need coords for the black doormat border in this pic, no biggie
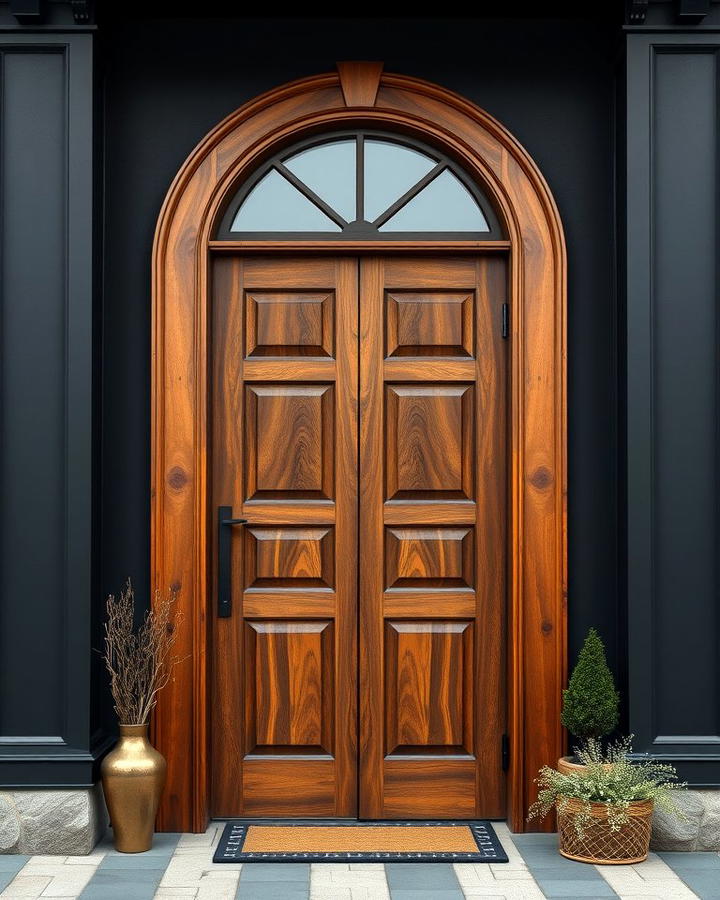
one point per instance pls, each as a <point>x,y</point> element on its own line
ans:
<point>229,849</point>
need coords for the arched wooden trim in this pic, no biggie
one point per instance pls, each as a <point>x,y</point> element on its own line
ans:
<point>537,551</point>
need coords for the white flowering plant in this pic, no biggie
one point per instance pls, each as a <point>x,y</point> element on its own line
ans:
<point>610,777</point>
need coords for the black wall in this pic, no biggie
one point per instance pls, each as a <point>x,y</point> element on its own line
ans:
<point>552,83</point>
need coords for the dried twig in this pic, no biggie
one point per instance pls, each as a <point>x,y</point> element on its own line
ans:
<point>139,660</point>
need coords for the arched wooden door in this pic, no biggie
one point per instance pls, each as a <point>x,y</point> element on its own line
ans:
<point>377,388</point>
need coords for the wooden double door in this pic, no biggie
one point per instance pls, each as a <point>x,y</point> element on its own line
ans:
<point>359,425</point>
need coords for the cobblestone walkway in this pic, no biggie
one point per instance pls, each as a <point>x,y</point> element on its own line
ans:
<point>181,866</point>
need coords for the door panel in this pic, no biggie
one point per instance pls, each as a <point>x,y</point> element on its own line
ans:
<point>432,509</point>
<point>285,457</point>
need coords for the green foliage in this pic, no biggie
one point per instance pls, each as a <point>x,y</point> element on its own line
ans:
<point>591,702</point>
<point>610,778</point>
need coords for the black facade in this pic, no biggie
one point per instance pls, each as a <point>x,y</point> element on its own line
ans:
<point>622,121</point>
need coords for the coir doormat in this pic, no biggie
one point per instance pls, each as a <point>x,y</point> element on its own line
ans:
<point>359,842</point>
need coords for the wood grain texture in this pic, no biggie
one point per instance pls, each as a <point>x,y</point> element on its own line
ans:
<point>440,788</point>
<point>289,686</point>
<point>289,324</point>
<point>293,557</point>
<point>429,441</point>
<point>429,324</point>
<point>427,678</point>
<point>360,82</point>
<point>291,784</point>
<point>536,536</point>
<point>429,683</point>
<point>429,557</point>
<point>290,440</point>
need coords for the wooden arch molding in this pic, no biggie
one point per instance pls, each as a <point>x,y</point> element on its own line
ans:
<point>362,94</point>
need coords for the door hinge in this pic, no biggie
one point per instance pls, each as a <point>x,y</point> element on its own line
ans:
<point>505,320</point>
<point>505,752</point>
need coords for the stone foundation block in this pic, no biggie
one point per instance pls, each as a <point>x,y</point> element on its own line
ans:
<point>698,830</point>
<point>59,823</point>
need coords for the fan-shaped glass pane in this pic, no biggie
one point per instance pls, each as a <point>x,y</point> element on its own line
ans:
<point>390,171</point>
<point>329,171</point>
<point>444,205</point>
<point>276,205</point>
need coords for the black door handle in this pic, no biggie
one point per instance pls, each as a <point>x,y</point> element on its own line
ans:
<point>224,588</point>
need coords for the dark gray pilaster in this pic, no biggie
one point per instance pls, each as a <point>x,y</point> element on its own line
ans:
<point>673,356</point>
<point>46,409</point>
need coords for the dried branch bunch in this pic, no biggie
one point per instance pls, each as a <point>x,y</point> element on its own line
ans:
<point>139,661</point>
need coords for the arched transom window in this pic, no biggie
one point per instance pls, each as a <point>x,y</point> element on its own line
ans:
<point>359,186</point>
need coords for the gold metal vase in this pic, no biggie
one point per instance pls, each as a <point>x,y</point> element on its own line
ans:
<point>133,777</point>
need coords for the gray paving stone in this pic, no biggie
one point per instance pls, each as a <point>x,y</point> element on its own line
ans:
<point>553,888</point>
<point>416,894</point>
<point>272,890</point>
<point>125,876</point>
<point>13,862</point>
<point>299,872</point>
<point>131,876</point>
<point>135,861</point>
<point>119,892</point>
<point>9,867</point>
<point>699,871</point>
<point>704,883</point>
<point>555,875</point>
<point>571,872</point>
<point>422,876</point>
<point>693,861</point>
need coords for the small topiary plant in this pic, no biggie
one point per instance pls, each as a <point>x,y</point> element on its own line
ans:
<point>591,702</point>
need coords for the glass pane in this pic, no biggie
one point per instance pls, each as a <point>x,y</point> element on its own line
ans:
<point>276,205</point>
<point>444,205</point>
<point>390,171</point>
<point>329,171</point>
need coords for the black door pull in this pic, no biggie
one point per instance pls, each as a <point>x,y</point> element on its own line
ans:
<point>224,588</point>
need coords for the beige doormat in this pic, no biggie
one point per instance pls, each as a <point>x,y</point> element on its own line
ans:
<point>359,842</point>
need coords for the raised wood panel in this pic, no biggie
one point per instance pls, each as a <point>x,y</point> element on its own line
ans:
<point>429,687</point>
<point>182,439</point>
<point>289,557</point>
<point>429,440</point>
<point>289,686</point>
<point>429,557</point>
<point>429,789</point>
<point>290,441</point>
<point>292,787</point>
<point>429,324</point>
<point>289,324</point>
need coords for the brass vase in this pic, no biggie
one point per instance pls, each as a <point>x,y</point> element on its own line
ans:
<point>133,777</point>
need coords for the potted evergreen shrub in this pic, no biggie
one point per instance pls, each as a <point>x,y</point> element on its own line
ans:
<point>590,702</point>
<point>604,809</point>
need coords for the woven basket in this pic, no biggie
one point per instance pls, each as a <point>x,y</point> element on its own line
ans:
<point>629,844</point>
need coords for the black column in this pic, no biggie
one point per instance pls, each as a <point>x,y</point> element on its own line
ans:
<point>673,361</point>
<point>48,730</point>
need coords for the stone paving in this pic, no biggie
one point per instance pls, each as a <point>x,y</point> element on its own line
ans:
<point>180,866</point>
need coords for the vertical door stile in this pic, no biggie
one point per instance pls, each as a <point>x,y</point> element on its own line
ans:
<point>346,523</point>
<point>372,725</point>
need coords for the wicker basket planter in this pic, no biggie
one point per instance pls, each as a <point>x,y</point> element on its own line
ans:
<point>566,765</point>
<point>599,844</point>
